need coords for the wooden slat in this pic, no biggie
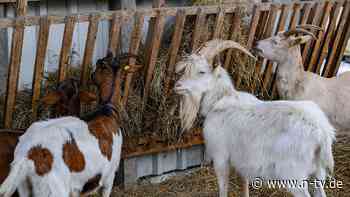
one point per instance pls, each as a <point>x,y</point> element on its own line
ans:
<point>89,47</point>
<point>174,48</point>
<point>153,52</point>
<point>21,9</point>
<point>316,21</point>
<point>336,41</point>
<point>258,18</point>
<point>114,34</point>
<point>343,44</point>
<point>136,36</point>
<point>219,24</point>
<point>280,27</point>
<point>330,34</point>
<point>320,36</point>
<point>66,47</point>
<point>198,29</point>
<point>268,31</point>
<point>306,12</point>
<point>235,31</point>
<point>295,15</point>
<point>40,62</point>
<point>13,72</point>
<point>253,26</point>
<point>107,15</point>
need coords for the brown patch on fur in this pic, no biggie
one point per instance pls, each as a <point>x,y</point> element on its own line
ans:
<point>103,128</point>
<point>91,185</point>
<point>42,159</point>
<point>73,157</point>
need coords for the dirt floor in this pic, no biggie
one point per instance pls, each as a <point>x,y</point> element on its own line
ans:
<point>202,181</point>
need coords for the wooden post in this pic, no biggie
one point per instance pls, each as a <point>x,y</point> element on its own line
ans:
<point>21,8</point>
<point>15,61</point>
<point>151,32</point>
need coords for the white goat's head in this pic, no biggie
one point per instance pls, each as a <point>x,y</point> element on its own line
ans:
<point>279,47</point>
<point>198,78</point>
<point>203,89</point>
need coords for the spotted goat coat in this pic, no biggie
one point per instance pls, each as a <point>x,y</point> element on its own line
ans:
<point>62,157</point>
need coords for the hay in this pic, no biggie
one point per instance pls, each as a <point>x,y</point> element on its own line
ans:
<point>202,181</point>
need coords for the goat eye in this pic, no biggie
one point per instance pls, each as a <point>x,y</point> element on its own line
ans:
<point>201,72</point>
<point>274,42</point>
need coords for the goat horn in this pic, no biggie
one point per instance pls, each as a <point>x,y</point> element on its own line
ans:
<point>309,26</point>
<point>214,47</point>
<point>298,30</point>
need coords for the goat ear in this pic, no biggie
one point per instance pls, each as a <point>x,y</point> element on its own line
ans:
<point>86,97</point>
<point>51,98</point>
<point>299,40</point>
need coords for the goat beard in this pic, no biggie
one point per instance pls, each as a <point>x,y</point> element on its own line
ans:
<point>189,107</point>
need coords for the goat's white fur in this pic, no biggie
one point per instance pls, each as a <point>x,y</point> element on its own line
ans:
<point>331,94</point>
<point>271,140</point>
<point>60,182</point>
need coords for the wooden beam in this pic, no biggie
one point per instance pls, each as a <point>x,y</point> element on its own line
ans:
<point>21,9</point>
<point>13,72</point>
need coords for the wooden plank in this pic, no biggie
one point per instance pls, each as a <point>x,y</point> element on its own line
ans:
<point>151,31</point>
<point>295,15</point>
<point>136,36</point>
<point>252,34</point>
<point>253,26</point>
<point>156,40</point>
<point>107,15</point>
<point>306,13</point>
<point>198,28</point>
<point>40,62</point>
<point>21,9</point>
<point>114,33</point>
<point>66,47</point>
<point>280,27</point>
<point>235,29</point>
<point>330,34</point>
<point>316,21</point>
<point>174,48</point>
<point>344,41</point>
<point>13,72</point>
<point>268,31</point>
<point>114,36</point>
<point>89,47</point>
<point>336,41</point>
<point>320,37</point>
<point>219,23</point>
<point>281,23</point>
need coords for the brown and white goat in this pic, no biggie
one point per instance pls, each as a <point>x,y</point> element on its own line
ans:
<point>61,155</point>
<point>331,94</point>
<point>66,94</point>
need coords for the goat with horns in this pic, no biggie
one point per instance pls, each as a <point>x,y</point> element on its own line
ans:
<point>289,140</point>
<point>331,94</point>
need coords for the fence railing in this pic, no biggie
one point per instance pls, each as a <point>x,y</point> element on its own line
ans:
<point>322,56</point>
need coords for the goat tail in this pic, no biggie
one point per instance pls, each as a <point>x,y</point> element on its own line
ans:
<point>17,175</point>
<point>326,155</point>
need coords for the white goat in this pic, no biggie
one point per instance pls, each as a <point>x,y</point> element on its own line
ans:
<point>271,140</point>
<point>67,157</point>
<point>331,94</point>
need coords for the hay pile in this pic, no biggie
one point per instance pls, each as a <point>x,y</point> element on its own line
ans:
<point>202,181</point>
